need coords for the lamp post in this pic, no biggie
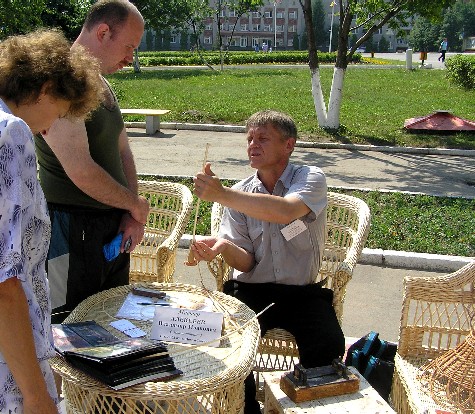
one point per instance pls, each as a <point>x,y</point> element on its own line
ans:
<point>332,4</point>
<point>275,25</point>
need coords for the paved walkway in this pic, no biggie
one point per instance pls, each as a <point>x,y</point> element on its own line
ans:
<point>181,152</point>
<point>374,295</point>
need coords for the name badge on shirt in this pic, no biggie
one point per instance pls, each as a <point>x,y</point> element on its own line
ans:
<point>293,229</point>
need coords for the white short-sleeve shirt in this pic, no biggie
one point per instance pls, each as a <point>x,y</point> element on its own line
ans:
<point>293,262</point>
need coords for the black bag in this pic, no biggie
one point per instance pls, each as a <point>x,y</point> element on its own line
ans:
<point>374,359</point>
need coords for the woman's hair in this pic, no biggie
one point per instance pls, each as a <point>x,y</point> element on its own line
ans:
<point>282,122</point>
<point>45,58</point>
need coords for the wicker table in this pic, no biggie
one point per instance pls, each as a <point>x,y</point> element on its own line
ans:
<point>212,380</point>
<point>366,401</point>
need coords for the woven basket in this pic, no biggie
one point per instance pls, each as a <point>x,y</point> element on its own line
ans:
<point>450,378</point>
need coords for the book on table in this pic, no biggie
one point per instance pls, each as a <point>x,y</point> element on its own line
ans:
<point>119,363</point>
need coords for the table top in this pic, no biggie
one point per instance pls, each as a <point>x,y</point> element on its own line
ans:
<point>205,369</point>
<point>366,400</point>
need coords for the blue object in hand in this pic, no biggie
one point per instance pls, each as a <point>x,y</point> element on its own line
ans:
<point>111,250</point>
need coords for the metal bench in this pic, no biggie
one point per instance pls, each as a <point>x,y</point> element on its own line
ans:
<point>152,117</point>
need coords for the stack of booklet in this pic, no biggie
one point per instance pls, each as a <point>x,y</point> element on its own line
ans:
<point>119,363</point>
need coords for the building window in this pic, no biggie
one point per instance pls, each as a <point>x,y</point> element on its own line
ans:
<point>292,28</point>
<point>243,41</point>
<point>234,41</point>
<point>256,14</point>
<point>256,28</point>
<point>223,13</point>
<point>173,39</point>
<point>279,28</point>
<point>267,28</point>
<point>209,26</point>
<point>207,40</point>
<point>280,15</point>
<point>290,42</point>
<point>232,13</point>
<point>292,15</point>
<point>268,14</point>
<point>255,42</point>
<point>244,28</point>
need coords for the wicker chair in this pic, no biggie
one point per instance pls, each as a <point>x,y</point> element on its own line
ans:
<point>153,260</point>
<point>348,221</point>
<point>435,319</point>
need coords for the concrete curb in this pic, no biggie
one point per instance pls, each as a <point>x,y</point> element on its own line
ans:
<point>392,258</point>
<point>305,144</point>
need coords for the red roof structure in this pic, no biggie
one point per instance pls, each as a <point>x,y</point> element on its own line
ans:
<point>439,122</point>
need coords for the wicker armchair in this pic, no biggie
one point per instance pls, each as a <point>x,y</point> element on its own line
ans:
<point>435,318</point>
<point>153,260</point>
<point>348,222</point>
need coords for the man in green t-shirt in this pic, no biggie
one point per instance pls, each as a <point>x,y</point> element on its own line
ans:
<point>88,173</point>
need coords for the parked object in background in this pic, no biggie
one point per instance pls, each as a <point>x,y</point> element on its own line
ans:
<point>439,122</point>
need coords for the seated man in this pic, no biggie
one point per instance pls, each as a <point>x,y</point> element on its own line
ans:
<point>272,234</point>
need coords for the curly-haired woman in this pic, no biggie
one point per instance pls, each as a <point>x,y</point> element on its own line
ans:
<point>41,79</point>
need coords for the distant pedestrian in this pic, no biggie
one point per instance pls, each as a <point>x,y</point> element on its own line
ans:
<point>442,50</point>
<point>264,47</point>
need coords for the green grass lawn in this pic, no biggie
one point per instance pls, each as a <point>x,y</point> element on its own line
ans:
<point>376,101</point>
<point>375,104</point>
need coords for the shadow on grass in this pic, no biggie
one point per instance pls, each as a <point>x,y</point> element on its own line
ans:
<point>452,141</point>
<point>165,74</point>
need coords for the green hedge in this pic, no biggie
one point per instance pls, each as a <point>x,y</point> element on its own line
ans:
<point>234,58</point>
<point>461,70</point>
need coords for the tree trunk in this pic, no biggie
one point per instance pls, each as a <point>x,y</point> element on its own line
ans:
<point>317,92</point>
<point>318,99</point>
<point>136,61</point>
<point>336,96</point>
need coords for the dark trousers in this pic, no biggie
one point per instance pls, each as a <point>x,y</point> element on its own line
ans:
<point>304,311</point>
<point>76,265</point>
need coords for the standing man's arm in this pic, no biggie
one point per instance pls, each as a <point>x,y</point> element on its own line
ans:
<point>129,225</point>
<point>73,154</point>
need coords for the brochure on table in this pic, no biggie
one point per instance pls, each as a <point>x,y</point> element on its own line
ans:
<point>179,317</point>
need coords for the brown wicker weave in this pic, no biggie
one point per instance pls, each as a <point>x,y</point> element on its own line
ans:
<point>348,222</point>
<point>213,377</point>
<point>435,319</point>
<point>451,376</point>
<point>153,260</point>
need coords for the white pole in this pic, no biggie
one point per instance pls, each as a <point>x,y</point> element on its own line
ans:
<point>331,27</point>
<point>275,25</point>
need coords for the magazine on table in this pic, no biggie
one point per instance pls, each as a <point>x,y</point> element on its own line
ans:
<point>119,363</point>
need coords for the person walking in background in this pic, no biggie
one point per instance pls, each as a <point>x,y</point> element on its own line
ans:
<point>88,173</point>
<point>41,80</point>
<point>272,234</point>
<point>443,50</point>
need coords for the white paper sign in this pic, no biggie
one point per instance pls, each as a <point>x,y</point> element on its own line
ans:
<point>128,328</point>
<point>293,229</point>
<point>186,326</point>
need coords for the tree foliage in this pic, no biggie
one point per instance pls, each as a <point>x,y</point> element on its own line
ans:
<point>161,15</point>
<point>66,15</point>
<point>424,35</point>
<point>371,15</point>
<point>19,16</point>
<point>318,18</point>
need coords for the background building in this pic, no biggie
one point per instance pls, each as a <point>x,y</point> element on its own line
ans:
<point>276,26</point>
